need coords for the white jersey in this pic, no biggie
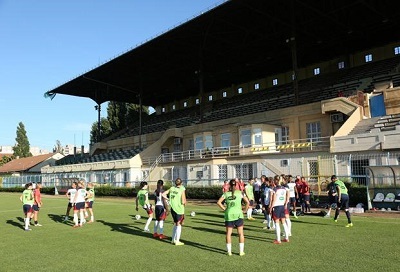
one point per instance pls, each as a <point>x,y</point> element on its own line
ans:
<point>291,186</point>
<point>71,193</point>
<point>159,199</point>
<point>80,195</point>
<point>257,185</point>
<point>280,196</point>
<point>267,192</point>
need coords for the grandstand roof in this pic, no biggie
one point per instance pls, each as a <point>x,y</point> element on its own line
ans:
<point>235,42</point>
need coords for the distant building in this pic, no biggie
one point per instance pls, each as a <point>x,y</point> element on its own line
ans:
<point>7,150</point>
<point>29,165</point>
<point>69,149</point>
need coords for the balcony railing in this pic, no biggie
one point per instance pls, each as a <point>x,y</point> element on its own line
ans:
<point>294,146</point>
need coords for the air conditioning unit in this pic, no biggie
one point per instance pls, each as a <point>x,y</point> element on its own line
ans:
<point>336,117</point>
<point>177,141</point>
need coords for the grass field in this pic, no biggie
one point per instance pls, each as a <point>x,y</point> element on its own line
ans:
<point>116,242</point>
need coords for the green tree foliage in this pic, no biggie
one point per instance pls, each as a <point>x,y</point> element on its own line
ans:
<point>116,112</point>
<point>105,130</point>
<point>132,113</point>
<point>21,148</point>
<point>5,159</point>
<point>58,148</point>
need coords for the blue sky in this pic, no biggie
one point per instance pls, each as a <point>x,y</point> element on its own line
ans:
<point>46,43</point>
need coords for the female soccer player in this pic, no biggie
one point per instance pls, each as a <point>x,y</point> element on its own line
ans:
<point>177,199</point>
<point>233,215</point>
<point>27,199</point>
<point>142,198</point>
<point>90,200</point>
<point>250,195</point>
<point>278,206</point>
<point>71,196</point>
<point>161,210</point>
<point>37,203</point>
<point>79,204</point>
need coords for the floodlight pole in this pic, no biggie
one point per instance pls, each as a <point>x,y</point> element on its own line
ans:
<point>98,108</point>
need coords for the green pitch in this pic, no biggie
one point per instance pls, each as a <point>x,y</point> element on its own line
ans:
<point>116,242</point>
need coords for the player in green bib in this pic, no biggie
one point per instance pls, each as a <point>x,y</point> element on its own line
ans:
<point>90,200</point>
<point>233,215</point>
<point>142,199</point>
<point>177,200</point>
<point>343,200</point>
<point>249,190</point>
<point>27,198</point>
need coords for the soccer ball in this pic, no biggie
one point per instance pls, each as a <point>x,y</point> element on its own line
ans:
<point>192,214</point>
<point>389,209</point>
<point>138,217</point>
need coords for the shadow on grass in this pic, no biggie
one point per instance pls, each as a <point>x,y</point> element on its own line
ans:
<point>60,219</point>
<point>126,228</point>
<point>16,223</point>
<point>234,233</point>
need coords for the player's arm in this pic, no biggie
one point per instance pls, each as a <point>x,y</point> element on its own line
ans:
<point>37,200</point>
<point>137,201</point>
<point>183,197</point>
<point>21,197</point>
<point>219,202</point>
<point>287,197</point>
<point>165,194</point>
<point>339,192</point>
<point>246,203</point>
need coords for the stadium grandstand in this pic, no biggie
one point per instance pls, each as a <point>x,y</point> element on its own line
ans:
<point>251,88</point>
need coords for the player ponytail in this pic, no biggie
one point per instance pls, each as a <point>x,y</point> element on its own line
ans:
<point>142,184</point>
<point>232,186</point>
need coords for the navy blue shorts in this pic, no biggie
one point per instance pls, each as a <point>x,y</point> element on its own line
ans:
<point>178,218</point>
<point>278,212</point>
<point>292,200</point>
<point>27,208</point>
<point>236,223</point>
<point>89,204</point>
<point>333,199</point>
<point>306,197</point>
<point>160,213</point>
<point>344,202</point>
<point>35,207</point>
<point>79,206</point>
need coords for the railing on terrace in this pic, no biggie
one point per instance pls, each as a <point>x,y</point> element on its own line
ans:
<point>294,146</point>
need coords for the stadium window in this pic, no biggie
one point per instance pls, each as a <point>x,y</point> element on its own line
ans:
<point>210,98</point>
<point>341,65</point>
<point>245,137</point>
<point>368,58</point>
<point>257,86</point>
<point>224,94</point>
<point>197,101</point>
<point>222,171</point>
<point>226,140</point>
<point>173,107</point>
<point>185,104</point>
<point>282,135</point>
<point>397,50</point>
<point>313,132</point>
<point>208,142</point>
<point>275,82</point>
<point>199,142</point>
<point>257,136</point>
<point>316,71</point>
<point>163,109</point>
<point>240,90</point>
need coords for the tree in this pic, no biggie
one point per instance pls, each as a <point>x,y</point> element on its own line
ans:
<point>116,113</point>
<point>105,130</point>
<point>5,159</point>
<point>132,113</point>
<point>58,148</point>
<point>21,148</point>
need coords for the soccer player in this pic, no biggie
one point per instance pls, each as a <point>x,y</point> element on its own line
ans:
<point>142,198</point>
<point>70,195</point>
<point>90,201</point>
<point>305,190</point>
<point>278,207</point>
<point>79,204</point>
<point>27,198</point>
<point>233,215</point>
<point>292,194</point>
<point>161,211</point>
<point>268,192</point>
<point>37,204</point>
<point>250,195</point>
<point>332,197</point>
<point>177,200</point>
<point>343,200</point>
